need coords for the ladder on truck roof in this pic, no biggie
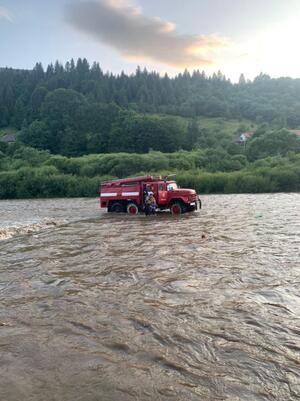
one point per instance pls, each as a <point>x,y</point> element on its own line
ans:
<point>146,178</point>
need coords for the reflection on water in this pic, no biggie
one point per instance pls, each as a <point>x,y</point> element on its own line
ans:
<point>103,307</point>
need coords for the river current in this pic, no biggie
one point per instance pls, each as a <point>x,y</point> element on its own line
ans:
<point>100,307</point>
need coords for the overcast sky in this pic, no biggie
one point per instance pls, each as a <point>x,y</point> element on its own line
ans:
<point>233,36</point>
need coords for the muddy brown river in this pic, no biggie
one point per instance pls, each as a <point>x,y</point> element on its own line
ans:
<point>99,307</point>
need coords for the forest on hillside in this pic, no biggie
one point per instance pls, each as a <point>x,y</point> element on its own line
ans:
<point>188,94</point>
<point>77,126</point>
<point>78,109</point>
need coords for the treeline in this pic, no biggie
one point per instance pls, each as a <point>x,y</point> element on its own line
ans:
<point>78,126</point>
<point>27,173</point>
<point>275,101</point>
<point>69,125</point>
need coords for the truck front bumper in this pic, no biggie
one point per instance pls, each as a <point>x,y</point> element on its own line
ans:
<point>195,205</point>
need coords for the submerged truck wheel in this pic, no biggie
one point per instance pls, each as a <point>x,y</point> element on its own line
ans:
<point>132,209</point>
<point>177,209</point>
<point>117,207</point>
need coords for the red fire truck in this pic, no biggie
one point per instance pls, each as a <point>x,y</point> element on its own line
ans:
<point>128,195</point>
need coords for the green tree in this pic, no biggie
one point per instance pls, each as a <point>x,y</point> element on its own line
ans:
<point>19,113</point>
<point>37,135</point>
<point>62,112</point>
<point>192,135</point>
<point>272,143</point>
<point>36,100</point>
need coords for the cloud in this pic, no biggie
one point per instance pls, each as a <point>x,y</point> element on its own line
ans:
<point>122,26</point>
<point>5,14</point>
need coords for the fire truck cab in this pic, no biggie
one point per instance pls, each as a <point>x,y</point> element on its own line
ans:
<point>128,195</point>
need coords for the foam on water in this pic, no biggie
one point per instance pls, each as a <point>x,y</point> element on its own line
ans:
<point>14,230</point>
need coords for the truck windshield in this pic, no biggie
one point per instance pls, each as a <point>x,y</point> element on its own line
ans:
<point>171,186</point>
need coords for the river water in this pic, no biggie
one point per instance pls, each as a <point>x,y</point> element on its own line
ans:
<point>99,307</point>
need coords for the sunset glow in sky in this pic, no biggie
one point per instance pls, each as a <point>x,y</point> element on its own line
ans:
<point>233,36</point>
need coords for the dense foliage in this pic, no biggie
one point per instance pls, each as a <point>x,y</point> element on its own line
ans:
<point>28,172</point>
<point>76,109</point>
<point>22,92</point>
<point>77,126</point>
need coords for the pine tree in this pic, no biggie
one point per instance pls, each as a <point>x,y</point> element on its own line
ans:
<point>19,113</point>
<point>242,80</point>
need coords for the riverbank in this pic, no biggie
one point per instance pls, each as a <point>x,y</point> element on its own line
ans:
<point>30,173</point>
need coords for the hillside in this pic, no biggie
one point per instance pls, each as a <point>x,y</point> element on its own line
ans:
<point>77,126</point>
<point>76,109</point>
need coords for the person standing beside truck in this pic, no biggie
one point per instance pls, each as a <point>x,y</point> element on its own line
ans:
<point>146,192</point>
<point>153,205</point>
<point>146,195</point>
<point>150,204</point>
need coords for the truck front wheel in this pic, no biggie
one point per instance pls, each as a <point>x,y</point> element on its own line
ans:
<point>132,209</point>
<point>177,208</point>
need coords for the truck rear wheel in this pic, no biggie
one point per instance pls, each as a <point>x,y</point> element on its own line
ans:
<point>117,207</point>
<point>132,209</point>
<point>177,208</point>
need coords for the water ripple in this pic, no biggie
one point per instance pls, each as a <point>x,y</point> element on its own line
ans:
<point>201,307</point>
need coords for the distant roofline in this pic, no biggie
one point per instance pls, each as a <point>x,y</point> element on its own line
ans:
<point>8,138</point>
<point>295,131</point>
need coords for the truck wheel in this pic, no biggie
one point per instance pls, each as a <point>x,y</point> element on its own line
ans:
<point>117,208</point>
<point>177,209</point>
<point>132,208</point>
